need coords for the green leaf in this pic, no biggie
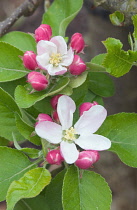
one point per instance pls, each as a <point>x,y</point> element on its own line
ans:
<point>79,80</point>
<point>25,100</point>
<point>11,66</point>
<point>101,84</point>
<point>3,141</point>
<point>87,192</point>
<point>27,131</point>
<point>8,107</point>
<point>134,19</point>
<point>53,192</point>
<point>20,40</point>
<point>31,152</point>
<point>13,165</point>
<point>118,62</point>
<point>117,18</point>
<point>96,64</point>
<point>121,129</point>
<point>30,185</point>
<point>66,91</point>
<point>37,203</point>
<point>60,14</point>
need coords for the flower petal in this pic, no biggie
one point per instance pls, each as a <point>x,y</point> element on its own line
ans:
<point>65,109</point>
<point>60,43</point>
<point>68,58</point>
<point>46,47</point>
<point>52,70</point>
<point>50,131</point>
<point>69,152</point>
<point>91,120</point>
<point>43,60</point>
<point>93,142</point>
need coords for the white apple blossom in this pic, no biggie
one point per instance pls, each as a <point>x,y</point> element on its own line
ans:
<point>82,132</point>
<point>53,55</point>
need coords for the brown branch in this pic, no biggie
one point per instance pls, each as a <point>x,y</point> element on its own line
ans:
<point>27,8</point>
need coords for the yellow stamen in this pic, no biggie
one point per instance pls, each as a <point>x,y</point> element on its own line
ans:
<point>70,134</point>
<point>55,59</point>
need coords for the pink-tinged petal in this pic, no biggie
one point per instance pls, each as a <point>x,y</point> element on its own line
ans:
<point>52,70</point>
<point>68,58</point>
<point>43,60</point>
<point>93,142</point>
<point>65,108</point>
<point>60,43</point>
<point>50,131</point>
<point>46,47</point>
<point>69,152</point>
<point>91,120</point>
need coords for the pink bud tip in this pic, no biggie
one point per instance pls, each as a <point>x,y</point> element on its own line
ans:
<point>55,116</point>
<point>78,66</point>
<point>77,42</point>
<point>86,106</point>
<point>87,158</point>
<point>37,80</point>
<point>54,157</point>
<point>43,117</point>
<point>54,101</point>
<point>29,60</point>
<point>43,32</point>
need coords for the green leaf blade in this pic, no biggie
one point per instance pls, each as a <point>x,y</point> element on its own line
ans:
<point>30,185</point>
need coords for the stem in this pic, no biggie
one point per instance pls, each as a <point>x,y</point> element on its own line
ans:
<point>27,8</point>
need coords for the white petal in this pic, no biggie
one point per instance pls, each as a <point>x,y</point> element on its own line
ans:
<point>50,131</point>
<point>46,47</point>
<point>91,120</point>
<point>52,70</point>
<point>43,60</point>
<point>68,58</point>
<point>93,142</point>
<point>60,43</point>
<point>69,152</point>
<point>65,108</point>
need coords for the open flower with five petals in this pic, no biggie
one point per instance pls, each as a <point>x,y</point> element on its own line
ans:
<point>54,56</point>
<point>81,134</point>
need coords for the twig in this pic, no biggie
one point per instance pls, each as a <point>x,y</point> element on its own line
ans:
<point>27,8</point>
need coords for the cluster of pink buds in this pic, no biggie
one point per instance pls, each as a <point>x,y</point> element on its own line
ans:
<point>77,43</point>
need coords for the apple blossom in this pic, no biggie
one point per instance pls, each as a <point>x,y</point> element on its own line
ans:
<point>54,157</point>
<point>77,42</point>
<point>53,55</point>
<point>43,32</point>
<point>29,60</point>
<point>54,101</point>
<point>87,158</point>
<point>86,106</point>
<point>81,134</point>
<point>43,117</point>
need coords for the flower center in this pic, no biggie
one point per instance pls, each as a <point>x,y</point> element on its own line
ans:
<point>70,135</point>
<point>55,59</point>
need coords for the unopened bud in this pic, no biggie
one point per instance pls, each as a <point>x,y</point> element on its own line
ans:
<point>78,66</point>
<point>87,158</point>
<point>54,157</point>
<point>54,101</point>
<point>29,60</point>
<point>55,116</point>
<point>86,106</point>
<point>43,117</point>
<point>37,80</point>
<point>77,42</point>
<point>43,32</point>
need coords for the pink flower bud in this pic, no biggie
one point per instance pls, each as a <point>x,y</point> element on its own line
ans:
<point>29,60</point>
<point>54,101</point>
<point>77,42</point>
<point>78,66</point>
<point>87,158</point>
<point>43,32</point>
<point>43,117</point>
<point>37,80</point>
<point>86,106</point>
<point>54,157</point>
<point>55,116</point>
